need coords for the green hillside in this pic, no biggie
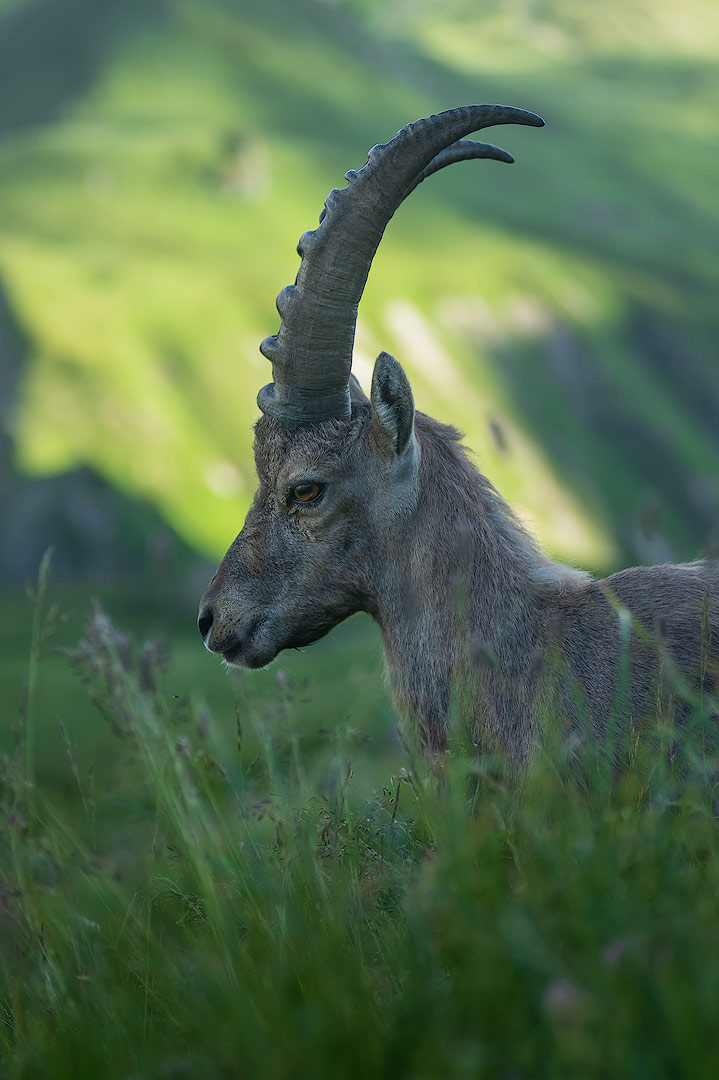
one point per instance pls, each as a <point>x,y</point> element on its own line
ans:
<point>156,173</point>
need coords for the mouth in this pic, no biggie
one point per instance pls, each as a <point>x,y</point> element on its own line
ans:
<point>253,649</point>
<point>234,655</point>
<point>262,639</point>
<point>247,656</point>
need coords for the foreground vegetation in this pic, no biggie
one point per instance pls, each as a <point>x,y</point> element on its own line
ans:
<point>270,910</point>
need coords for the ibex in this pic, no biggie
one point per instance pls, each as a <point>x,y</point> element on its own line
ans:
<point>366,505</point>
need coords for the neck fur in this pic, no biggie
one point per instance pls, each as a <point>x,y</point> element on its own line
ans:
<point>463,609</point>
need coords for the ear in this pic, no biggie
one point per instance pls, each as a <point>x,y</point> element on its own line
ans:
<point>357,394</point>
<point>392,406</point>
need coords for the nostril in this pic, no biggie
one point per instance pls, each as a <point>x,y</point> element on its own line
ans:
<point>204,622</point>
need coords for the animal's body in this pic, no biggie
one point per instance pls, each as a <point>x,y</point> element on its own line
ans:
<point>364,505</point>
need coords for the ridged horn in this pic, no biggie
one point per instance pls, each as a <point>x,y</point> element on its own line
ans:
<point>312,352</point>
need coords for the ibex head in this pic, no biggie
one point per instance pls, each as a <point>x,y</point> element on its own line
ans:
<point>339,473</point>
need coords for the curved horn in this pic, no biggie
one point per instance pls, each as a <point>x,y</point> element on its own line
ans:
<point>312,352</point>
<point>462,150</point>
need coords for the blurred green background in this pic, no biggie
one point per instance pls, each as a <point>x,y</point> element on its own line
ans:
<point>159,160</point>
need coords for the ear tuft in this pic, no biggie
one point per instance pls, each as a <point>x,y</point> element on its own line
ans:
<point>392,405</point>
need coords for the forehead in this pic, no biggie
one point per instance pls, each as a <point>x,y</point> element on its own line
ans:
<point>279,449</point>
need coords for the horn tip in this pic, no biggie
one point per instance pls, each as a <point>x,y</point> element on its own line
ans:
<point>513,115</point>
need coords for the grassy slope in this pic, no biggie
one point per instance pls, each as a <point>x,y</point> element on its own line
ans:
<point>199,914</point>
<point>147,231</point>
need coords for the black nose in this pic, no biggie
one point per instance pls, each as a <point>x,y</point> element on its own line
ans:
<point>204,622</point>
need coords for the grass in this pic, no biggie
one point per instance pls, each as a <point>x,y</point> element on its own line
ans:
<point>297,901</point>
<point>157,610</point>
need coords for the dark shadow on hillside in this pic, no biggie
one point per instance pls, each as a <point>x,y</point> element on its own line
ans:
<point>95,531</point>
<point>613,451</point>
<point>584,183</point>
<point>587,183</point>
<point>51,50</point>
<point>12,354</point>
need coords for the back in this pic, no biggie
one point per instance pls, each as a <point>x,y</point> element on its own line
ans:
<point>673,642</point>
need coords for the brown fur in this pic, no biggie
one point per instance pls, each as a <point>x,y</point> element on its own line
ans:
<point>474,618</point>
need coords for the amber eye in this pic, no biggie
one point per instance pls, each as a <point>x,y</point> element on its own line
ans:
<point>306,492</point>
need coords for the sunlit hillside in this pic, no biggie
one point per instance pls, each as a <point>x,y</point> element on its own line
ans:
<point>561,311</point>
